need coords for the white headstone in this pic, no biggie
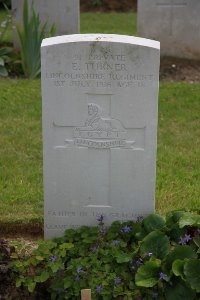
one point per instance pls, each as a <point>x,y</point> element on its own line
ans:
<point>175,23</point>
<point>65,14</point>
<point>100,96</point>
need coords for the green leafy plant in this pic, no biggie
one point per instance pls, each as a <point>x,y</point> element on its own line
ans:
<point>31,35</point>
<point>4,50</point>
<point>4,59</point>
<point>5,25</point>
<point>130,260</point>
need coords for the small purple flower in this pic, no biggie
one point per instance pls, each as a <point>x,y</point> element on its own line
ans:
<point>170,283</point>
<point>53,258</point>
<point>185,240</point>
<point>126,229</point>
<point>94,249</point>
<point>117,280</point>
<point>182,241</point>
<point>188,237</point>
<point>162,276</point>
<point>115,242</point>
<point>77,278</point>
<point>79,270</point>
<point>100,218</point>
<point>99,288</point>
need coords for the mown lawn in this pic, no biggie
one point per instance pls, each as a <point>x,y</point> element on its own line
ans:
<point>178,163</point>
<point>115,23</point>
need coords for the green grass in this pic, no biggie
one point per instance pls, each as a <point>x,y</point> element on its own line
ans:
<point>21,151</point>
<point>178,164</point>
<point>115,23</point>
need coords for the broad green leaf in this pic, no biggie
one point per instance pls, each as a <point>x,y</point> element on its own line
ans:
<point>173,217</point>
<point>3,71</point>
<point>44,276</point>
<point>66,246</point>
<point>54,267</point>
<point>180,252</point>
<point>175,232</point>
<point>19,282</point>
<point>40,258</point>
<point>44,247</point>
<point>192,273</point>
<point>153,222</point>
<point>67,283</point>
<point>189,219</point>
<point>31,286</point>
<point>5,51</point>
<point>178,268</point>
<point>123,258</point>
<point>179,291</point>
<point>157,243</point>
<point>148,274</point>
<point>2,63</point>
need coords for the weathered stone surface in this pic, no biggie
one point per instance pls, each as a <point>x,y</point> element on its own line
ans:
<point>100,95</point>
<point>175,23</point>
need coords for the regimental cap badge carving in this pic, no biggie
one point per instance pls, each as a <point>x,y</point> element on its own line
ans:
<point>98,127</point>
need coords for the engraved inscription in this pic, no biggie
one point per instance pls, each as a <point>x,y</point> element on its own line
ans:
<point>172,4</point>
<point>100,70</point>
<point>120,216</point>
<point>94,214</point>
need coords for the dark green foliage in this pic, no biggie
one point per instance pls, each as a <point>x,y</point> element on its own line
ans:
<point>123,261</point>
<point>4,50</point>
<point>4,58</point>
<point>5,2</point>
<point>153,222</point>
<point>31,35</point>
<point>157,243</point>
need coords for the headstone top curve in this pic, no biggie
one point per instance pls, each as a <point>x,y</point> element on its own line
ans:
<point>115,38</point>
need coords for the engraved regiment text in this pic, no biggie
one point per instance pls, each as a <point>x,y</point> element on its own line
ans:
<point>100,71</point>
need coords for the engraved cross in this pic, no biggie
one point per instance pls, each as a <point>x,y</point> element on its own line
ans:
<point>99,139</point>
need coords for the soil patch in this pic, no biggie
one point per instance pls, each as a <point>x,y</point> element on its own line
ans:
<point>180,70</point>
<point>108,5</point>
<point>32,231</point>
